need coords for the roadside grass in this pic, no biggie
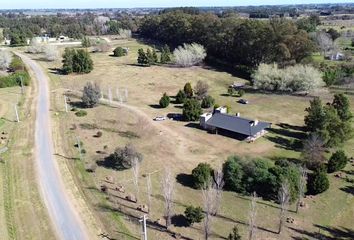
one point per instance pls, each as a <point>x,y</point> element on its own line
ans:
<point>22,215</point>
<point>181,146</point>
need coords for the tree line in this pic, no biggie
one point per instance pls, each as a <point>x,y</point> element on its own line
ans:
<point>238,42</point>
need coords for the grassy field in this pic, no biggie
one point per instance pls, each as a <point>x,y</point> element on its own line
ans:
<point>22,215</point>
<point>181,146</point>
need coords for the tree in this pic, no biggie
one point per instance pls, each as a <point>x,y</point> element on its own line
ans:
<point>35,46</point>
<point>209,198</point>
<point>86,42</point>
<point>302,186</point>
<point>192,110</point>
<point>316,116</point>
<point>151,56</point>
<point>333,33</point>
<point>102,47</point>
<point>188,90</point>
<point>51,52</point>
<point>207,102</point>
<point>283,198</point>
<point>91,94</point>
<point>142,57</point>
<point>330,77</point>
<point>125,157</point>
<point>193,215</point>
<point>218,185</point>
<point>252,216</point>
<point>5,59</point>
<point>189,55</point>
<point>337,161</point>
<point>201,89</point>
<point>68,60</point>
<point>154,56</point>
<point>164,101</point>
<point>202,175</point>
<point>324,41</point>
<point>180,97</point>
<point>119,52</point>
<point>342,105</point>
<point>233,174</point>
<point>165,55</point>
<point>318,182</point>
<point>168,194</point>
<point>313,151</point>
<point>234,235</point>
<point>135,163</point>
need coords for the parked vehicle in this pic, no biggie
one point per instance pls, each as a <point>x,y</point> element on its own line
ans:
<point>160,118</point>
<point>243,101</point>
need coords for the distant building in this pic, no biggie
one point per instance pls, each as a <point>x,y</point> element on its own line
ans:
<point>220,121</point>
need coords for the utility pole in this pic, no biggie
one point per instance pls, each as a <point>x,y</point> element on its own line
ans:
<point>16,111</point>
<point>144,232</point>
<point>66,104</point>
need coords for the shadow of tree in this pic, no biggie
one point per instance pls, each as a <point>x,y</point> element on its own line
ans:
<point>348,189</point>
<point>110,163</point>
<point>285,143</point>
<point>185,179</point>
<point>328,233</point>
<point>179,221</point>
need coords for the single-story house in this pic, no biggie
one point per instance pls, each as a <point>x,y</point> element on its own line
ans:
<point>247,129</point>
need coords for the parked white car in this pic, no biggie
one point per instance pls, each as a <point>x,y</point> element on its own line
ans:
<point>160,118</point>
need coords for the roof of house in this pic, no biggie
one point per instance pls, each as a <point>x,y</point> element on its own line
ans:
<point>237,124</point>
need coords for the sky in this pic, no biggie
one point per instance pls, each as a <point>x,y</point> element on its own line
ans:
<point>32,4</point>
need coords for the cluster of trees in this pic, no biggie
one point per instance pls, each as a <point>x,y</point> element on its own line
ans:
<point>194,100</point>
<point>232,40</point>
<point>150,56</point>
<point>19,28</point>
<point>51,52</point>
<point>289,79</point>
<point>342,73</point>
<point>77,61</point>
<point>332,122</point>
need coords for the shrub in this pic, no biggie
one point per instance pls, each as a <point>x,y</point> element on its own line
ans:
<point>165,55</point>
<point>191,110</point>
<point>241,93</point>
<point>91,95</point>
<point>99,134</point>
<point>318,182</point>
<point>208,101</point>
<point>86,42</point>
<point>81,113</point>
<point>193,215</point>
<point>124,157</point>
<point>180,97</point>
<point>188,90</point>
<point>337,161</point>
<point>164,101</point>
<point>102,47</point>
<point>233,174</point>
<point>15,79</point>
<point>290,79</point>
<point>234,235</point>
<point>231,91</point>
<point>119,52</point>
<point>202,175</point>
<point>189,55</point>
<point>17,64</point>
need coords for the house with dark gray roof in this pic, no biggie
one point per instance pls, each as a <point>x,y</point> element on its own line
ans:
<point>243,127</point>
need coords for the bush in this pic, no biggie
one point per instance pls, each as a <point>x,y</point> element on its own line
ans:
<point>231,91</point>
<point>99,134</point>
<point>81,113</point>
<point>180,97</point>
<point>290,79</point>
<point>192,110</point>
<point>318,182</point>
<point>241,93</point>
<point>124,157</point>
<point>202,175</point>
<point>51,52</point>
<point>164,101</point>
<point>91,95</point>
<point>234,235</point>
<point>15,79</point>
<point>5,59</point>
<point>193,215</point>
<point>188,90</point>
<point>201,90</point>
<point>86,42</point>
<point>142,57</point>
<point>233,174</point>
<point>17,64</point>
<point>189,55</point>
<point>208,101</point>
<point>337,161</point>
<point>119,52</point>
